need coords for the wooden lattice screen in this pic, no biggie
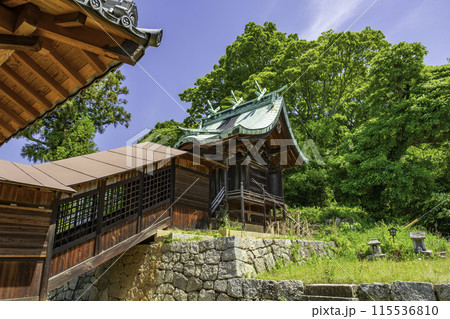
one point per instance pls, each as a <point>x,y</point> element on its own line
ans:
<point>121,201</point>
<point>77,216</point>
<point>157,186</point>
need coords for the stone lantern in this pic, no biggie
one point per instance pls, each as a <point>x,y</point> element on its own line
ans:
<point>418,238</point>
<point>375,246</point>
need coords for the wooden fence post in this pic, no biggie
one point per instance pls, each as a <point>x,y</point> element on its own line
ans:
<point>49,254</point>
<point>264,209</point>
<point>242,206</point>
<point>173,170</point>
<point>101,209</point>
<point>141,204</point>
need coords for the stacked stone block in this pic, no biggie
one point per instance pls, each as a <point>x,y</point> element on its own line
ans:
<point>216,269</point>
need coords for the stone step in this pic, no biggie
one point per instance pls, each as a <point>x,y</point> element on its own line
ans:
<point>326,298</point>
<point>331,290</point>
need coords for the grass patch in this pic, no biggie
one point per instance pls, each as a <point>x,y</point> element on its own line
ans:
<point>329,271</point>
<point>349,263</point>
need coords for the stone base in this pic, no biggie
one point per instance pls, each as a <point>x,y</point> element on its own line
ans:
<point>373,257</point>
<point>425,252</point>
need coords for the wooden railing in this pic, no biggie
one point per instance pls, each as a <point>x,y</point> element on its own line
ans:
<point>256,197</point>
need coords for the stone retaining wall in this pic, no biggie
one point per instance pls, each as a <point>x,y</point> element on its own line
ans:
<point>213,269</point>
<point>218,269</point>
<point>128,277</point>
<point>185,270</point>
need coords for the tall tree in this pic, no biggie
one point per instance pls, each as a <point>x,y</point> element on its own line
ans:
<point>381,166</point>
<point>166,133</point>
<point>251,53</point>
<point>70,131</point>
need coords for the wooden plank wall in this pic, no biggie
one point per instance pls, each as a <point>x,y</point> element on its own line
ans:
<point>23,240</point>
<point>115,236</point>
<point>190,218</point>
<point>192,189</point>
<point>71,257</point>
<point>152,216</point>
<point>20,279</point>
<point>186,161</point>
<point>14,194</point>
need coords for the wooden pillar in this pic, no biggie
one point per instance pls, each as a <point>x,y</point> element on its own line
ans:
<point>264,210</point>
<point>49,254</point>
<point>225,176</point>
<point>141,204</point>
<point>242,206</point>
<point>101,209</point>
<point>274,210</point>
<point>212,190</point>
<point>172,189</point>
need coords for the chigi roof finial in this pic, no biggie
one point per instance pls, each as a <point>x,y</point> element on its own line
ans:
<point>236,102</point>
<point>211,109</point>
<point>260,93</point>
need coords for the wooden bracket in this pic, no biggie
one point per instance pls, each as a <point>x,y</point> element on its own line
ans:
<point>20,43</point>
<point>71,20</point>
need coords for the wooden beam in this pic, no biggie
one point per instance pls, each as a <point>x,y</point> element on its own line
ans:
<point>85,38</point>
<point>93,60</point>
<point>18,100</point>
<point>7,20</point>
<point>14,3</point>
<point>27,88</point>
<point>21,43</point>
<point>5,125</point>
<point>63,64</point>
<point>93,262</point>
<point>27,20</point>
<point>12,115</point>
<point>41,74</point>
<point>71,20</point>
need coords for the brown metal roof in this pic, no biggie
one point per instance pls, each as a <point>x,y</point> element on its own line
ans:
<point>60,175</point>
<point>96,166</point>
<point>16,173</point>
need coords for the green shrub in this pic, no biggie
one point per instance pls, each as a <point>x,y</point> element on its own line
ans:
<point>351,240</point>
<point>320,215</point>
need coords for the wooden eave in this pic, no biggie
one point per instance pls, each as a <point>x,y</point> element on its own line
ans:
<point>51,50</point>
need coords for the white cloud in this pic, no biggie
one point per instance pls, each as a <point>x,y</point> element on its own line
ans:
<point>330,14</point>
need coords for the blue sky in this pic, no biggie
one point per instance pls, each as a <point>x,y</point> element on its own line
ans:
<point>196,33</point>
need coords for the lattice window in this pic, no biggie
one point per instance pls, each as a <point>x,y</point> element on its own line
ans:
<point>157,187</point>
<point>121,201</point>
<point>76,218</point>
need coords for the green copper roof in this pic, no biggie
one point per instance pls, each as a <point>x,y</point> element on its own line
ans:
<point>256,117</point>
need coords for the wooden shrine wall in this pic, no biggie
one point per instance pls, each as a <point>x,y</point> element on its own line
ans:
<point>192,195</point>
<point>23,240</point>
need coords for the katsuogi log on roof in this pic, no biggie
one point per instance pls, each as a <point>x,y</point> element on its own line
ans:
<point>50,50</point>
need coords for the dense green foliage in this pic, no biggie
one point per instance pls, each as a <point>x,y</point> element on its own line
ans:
<point>378,116</point>
<point>70,131</point>
<point>166,133</point>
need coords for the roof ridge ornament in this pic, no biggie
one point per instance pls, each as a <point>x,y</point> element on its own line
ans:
<point>260,93</point>
<point>211,109</point>
<point>236,102</point>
